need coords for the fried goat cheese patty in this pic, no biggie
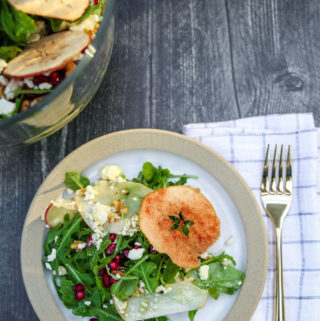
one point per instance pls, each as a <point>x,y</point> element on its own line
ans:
<point>156,225</point>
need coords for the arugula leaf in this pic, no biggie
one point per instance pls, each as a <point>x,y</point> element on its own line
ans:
<point>148,171</point>
<point>163,318</point>
<point>222,278</point>
<point>192,314</point>
<point>66,292</point>
<point>125,287</point>
<point>9,52</point>
<point>75,181</point>
<point>170,271</point>
<point>156,178</point>
<point>144,271</point>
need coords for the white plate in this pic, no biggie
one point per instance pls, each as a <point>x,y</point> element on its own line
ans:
<point>218,181</point>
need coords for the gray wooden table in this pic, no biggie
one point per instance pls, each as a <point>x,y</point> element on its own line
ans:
<point>174,62</point>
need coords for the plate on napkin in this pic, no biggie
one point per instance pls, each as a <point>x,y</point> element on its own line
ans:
<point>233,200</point>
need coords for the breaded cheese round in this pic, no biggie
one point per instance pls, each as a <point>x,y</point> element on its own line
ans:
<point>155,223</point>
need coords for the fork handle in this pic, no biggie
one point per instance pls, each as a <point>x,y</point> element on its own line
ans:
<point>279,313</point>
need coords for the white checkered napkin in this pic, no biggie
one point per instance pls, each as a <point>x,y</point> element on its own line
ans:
<point>243,143</point>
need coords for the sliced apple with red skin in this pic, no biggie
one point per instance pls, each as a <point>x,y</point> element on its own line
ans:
<point>56,212</point>
<point>48,54</point>
<point>63,9</point>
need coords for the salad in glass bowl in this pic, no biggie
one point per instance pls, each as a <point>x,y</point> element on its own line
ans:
<point>41,43</point>
<point>135,249</point>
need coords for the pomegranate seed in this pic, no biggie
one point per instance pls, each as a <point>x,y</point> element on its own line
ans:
<point>94,319</point>
<point>110,249</point>
<point>136,246</point>
<point>40,79</point>
<point>79,295</point>
<point>78,287</point>
<point>96,2</point>
<point>90,241</point>
<point>112,237</point>
<point>125,252</point>
<point>113,281</point>
<point>117,258</point>
<point>55,78</point>
<point>102,272</point>
<point>106,281</point>
<point>152,250</point>
<point>84,49</point>
<point>113,265</point>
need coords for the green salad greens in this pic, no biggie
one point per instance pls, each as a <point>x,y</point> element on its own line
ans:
<point>90,277</point>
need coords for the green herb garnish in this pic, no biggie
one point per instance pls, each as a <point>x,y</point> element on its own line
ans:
<point>180,222</point>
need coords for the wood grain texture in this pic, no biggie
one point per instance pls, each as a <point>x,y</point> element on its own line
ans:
<point>174,62</point>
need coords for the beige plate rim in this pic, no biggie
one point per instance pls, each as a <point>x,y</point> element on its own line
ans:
<point>137,139</point>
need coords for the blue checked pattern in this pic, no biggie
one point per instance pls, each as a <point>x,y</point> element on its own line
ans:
<point>243,143</point>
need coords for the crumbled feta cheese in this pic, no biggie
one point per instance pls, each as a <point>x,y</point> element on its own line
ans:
<point>112,173</point>
<point>117,276</point>
<point>3,64</point>
<point>204,272</point>
<point>105,306</point>
<point>6,107</point>
<point>96,240</point>
<point>87,303</point>
<point>163,290</point>
<point>239,283</point>
<point>137,243</point>
<point>13,84</point>
<point>56,239</point>
<point>111,301</point>
<point>230,240</point>
<point>226,261</point>
<point>98,215</point>
<point>52,256</point>
<point>45,85</point>
<point>87,24</point>
<point>135,254</point>
<point>90,193</point>
<point>130,226</point>
<point>48,266</point>
<point>29,82</point>
<point>3,80</point>
<point>47,226</point>
<point>205,256</point>
<point>67,204</point>
<point>81,246</point>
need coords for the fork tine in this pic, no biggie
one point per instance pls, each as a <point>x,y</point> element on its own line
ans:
<point>273,173</point>
<point>265,173</point>
<point>280,176</point>
<point>289,173</point>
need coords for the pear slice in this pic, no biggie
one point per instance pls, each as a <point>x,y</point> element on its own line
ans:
<point>48,54</point>
<point>57,210</point>
<point>104,193</point>
<point>63,9</point>
<point>183,296</point>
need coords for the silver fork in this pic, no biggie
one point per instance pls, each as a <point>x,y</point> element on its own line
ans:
<point>276,200</point>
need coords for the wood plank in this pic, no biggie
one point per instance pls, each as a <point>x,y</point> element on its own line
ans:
<point>275,50</point>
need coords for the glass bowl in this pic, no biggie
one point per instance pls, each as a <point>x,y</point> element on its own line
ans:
<point>67,100</point>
